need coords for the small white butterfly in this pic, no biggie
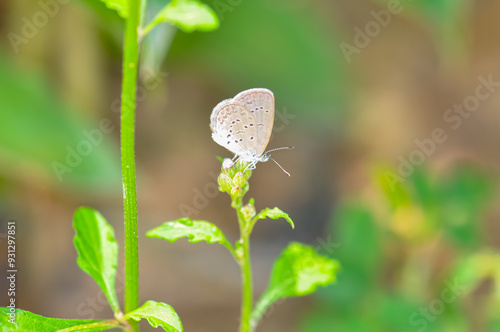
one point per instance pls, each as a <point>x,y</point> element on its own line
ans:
<point>244,124</point>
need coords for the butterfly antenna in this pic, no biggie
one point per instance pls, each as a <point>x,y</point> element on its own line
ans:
<point>283,148</point>
<point>280,166</point>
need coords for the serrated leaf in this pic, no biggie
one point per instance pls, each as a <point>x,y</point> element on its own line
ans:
<point>157,314</point>
<point>188,15</point>
<point>298,271</point>
<point>97,250</point>
<point>274,213</point>
<point>29,322</point>
<point>194,230</point>
<point>120,6</point>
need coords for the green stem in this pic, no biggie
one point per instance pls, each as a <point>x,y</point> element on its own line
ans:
<point>105,325</point>
<point>246,272</point>
<point>246,280</point>
<point>262,305</point>
<point>149,27</point>
<point>130,64</point>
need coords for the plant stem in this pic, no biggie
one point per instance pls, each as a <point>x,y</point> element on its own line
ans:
<point>129,85</point>
<point>106,324</point>
<point>246,271</point>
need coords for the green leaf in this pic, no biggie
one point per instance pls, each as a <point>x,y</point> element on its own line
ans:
<point>97,250</point>
<point>120,6</point>
<point>194,230</point>
<point>298,271</point>
<point>157,314</point>
<point>188,15</point>
<point>275,213</point>
<point>26,321</point>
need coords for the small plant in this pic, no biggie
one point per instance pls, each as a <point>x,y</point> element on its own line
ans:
<point>243,125</point>
<point>298,271</point>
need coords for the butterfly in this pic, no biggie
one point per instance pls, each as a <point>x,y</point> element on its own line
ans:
<point>244,124</point>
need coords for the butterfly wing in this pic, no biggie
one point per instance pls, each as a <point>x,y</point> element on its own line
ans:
<point>260,102</point>
<point>234,127</point>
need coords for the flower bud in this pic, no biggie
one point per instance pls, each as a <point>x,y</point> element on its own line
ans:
<point>236,191</point>
<point>248,211</point>
<point>225,182</point>
<point>239,179</point>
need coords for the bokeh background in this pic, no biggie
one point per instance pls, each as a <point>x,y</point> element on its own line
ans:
<point>411,220</point>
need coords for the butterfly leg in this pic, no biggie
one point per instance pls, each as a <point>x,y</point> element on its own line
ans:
<point>251,166</point>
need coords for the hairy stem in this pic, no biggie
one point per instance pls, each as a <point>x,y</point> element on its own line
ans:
<point>246,279</point>
<point>246,270</point>
<point>130,64</point>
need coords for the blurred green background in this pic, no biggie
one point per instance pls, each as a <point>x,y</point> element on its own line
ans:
<point>360,88</point>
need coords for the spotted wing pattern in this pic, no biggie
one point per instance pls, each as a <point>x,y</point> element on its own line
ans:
<point>244,124</point>
<point>260,102</point>
<point>234,127</point>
